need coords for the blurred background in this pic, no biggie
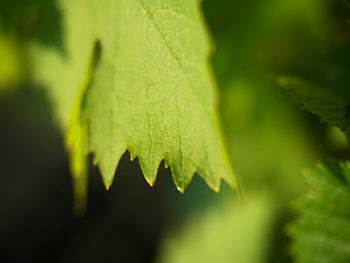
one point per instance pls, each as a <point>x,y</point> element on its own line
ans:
<point>270,141</point>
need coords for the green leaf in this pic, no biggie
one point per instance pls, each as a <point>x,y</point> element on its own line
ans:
<point>228,233</point>
<point>331,104</point>
<point>138,71</point>
<point>322,231</point>
<point>11,70</point>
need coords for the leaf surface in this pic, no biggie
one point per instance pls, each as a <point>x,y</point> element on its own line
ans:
<point>138,71</point>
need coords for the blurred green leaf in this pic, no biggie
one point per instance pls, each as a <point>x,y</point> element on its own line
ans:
<point>261,123</point>
<point>231,233</point>
<point>322,231</point>
<point>331,105</point>
<point>11,70</point>
<point>254,41</point>
<point>318,80</point>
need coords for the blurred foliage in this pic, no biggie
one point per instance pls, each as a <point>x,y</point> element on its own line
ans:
<point>33,20</point>
<point>332,105</point>
<point>265,52</point>
<point>265,133</point>
<point>11,64</point>
<point>225,233</point>
<point>322,232</point>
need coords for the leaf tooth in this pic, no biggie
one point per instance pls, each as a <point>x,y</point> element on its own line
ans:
<point>182,172</point>
<point>149,166</point>
<point>108,166</point>
<point>133,155</point>
<point>228,175</point>
<point>212,181</point>
<point>181,190</point>
<point>95,161</point>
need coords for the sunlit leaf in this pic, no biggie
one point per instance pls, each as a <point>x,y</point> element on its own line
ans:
<point>149,89</point>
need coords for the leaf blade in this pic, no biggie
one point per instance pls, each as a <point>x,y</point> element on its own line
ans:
<point>152,92</point>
